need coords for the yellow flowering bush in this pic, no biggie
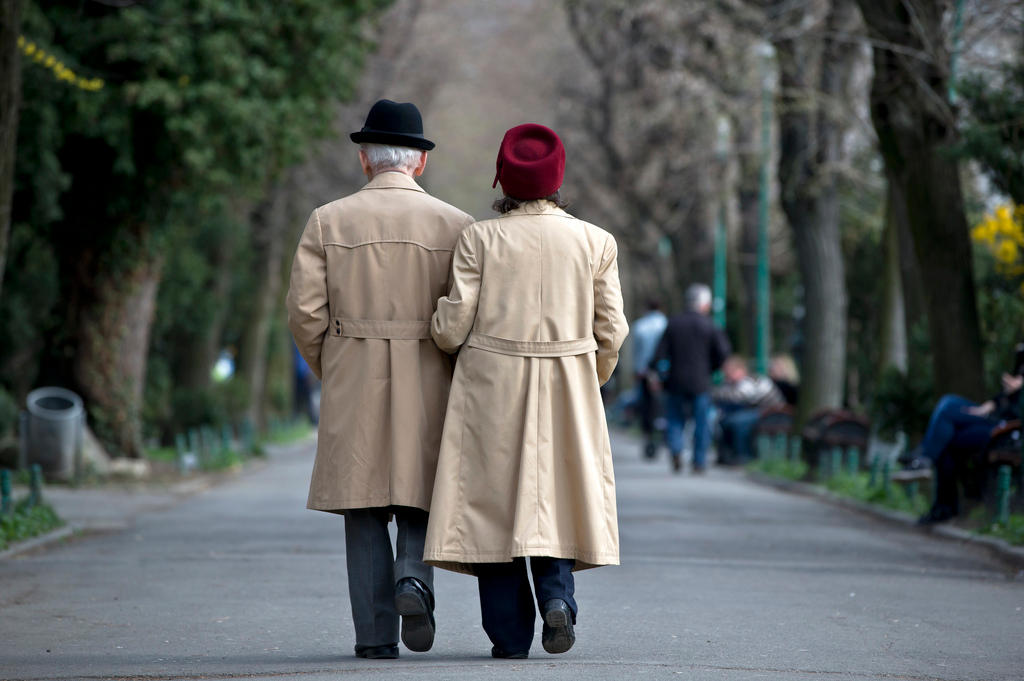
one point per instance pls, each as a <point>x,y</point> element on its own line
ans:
<point>1002,232</point>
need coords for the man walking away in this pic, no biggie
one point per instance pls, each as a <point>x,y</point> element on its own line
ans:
<point>365,280</point>
<point>693,348</point>
<point>646,333</point>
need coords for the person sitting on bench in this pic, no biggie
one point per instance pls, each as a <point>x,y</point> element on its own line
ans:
<point>958,424</point>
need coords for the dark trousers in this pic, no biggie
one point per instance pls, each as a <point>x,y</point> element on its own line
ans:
<point>506,602</point>
<point>648,407</point>
<point>951,433</point>
<point>373,570</point>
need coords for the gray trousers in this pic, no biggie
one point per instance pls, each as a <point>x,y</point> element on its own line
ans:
<point>373,569</point>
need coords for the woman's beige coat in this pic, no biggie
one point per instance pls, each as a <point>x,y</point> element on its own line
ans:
<point>366,276</point>
<point>525,466</point>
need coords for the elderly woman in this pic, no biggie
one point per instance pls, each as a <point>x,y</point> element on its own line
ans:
<point>525,469</point>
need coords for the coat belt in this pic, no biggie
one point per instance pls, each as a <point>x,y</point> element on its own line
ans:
<point>389,329</point>
<point>519,348</point>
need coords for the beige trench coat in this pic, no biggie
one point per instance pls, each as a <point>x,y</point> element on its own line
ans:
<point>525,466</point>
<point>366,276</point>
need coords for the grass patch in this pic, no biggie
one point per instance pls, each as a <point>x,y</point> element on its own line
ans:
<point>27,522</point>
<point>1012,532</point>
<point>165,454</point>
<point>779,468</point>
<point>288,432</point>
<point>857,487</point>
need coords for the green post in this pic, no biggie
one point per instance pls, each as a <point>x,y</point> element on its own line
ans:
<point>6,504</point>
<point>763,283</point>
<point>912,490</point>
<point>247,436</point>
<point>852,461</point>
<point>1003,495</point>
<point>823,473</point>
<point>779,449</point>
<point>954,54</point>
<point>794,449</point>
<point>876,464</point>
<point>764,450</point>
<point>226,438</point>
<point>35,485</point>
<point>836,467</point>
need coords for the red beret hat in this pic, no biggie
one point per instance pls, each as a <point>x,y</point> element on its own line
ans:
<point>531,162</point>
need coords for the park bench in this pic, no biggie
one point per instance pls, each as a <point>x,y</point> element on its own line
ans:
<point>832,436</point>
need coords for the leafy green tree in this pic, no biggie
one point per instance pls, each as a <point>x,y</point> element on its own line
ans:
<point>203,104</point>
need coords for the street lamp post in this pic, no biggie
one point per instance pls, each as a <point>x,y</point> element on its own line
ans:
<point>721,237</point>
<point>763,283</point>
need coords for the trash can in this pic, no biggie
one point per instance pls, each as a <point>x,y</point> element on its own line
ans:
<point>53,431</point>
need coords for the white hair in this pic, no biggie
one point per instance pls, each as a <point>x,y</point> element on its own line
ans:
<point>386,157</point>
<point>697,296</point>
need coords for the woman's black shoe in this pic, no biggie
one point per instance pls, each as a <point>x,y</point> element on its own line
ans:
<point>503,655</point>
<point>378,652</point>
<point>557,635</point>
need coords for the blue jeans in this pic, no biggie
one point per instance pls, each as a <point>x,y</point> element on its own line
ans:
<point>738,430</point>
<point>951,426</point>
<point>506,603</point>
<point>677,407</point>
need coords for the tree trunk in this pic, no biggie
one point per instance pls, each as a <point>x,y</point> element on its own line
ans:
<point>915,126</point>
<point>113,342</point>
<point>10,101</point>
<point>814,72</point>
<point>747,195</point>
<point>893,314</point>
<point>268,233</point>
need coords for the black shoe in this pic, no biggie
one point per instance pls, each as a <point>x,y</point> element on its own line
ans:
<point>557,635</point>
<point>918,463</point>
<point>677,463</point>
<point>415,604</point>
<point>938,513</point>
<point>909,455</point>
<point>378,652</point>
<point>650,451</point>
<point>503,655</point>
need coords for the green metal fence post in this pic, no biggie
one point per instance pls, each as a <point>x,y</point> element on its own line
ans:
<point>6,504</point>
<point>1003,495</point>
<point>852,461</point>
<point>35,485</point>
<point>836,467</point>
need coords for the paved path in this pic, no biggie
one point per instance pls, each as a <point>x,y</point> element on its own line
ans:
<point>721,579</point>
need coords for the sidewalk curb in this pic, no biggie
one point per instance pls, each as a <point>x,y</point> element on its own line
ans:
<point>51,537</point>
<point>999,549</point>
<point>182,490</point>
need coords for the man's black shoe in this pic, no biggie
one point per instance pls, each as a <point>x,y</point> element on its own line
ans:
<point>557,635</point>
<point>415,604</point>
<point>650,451</point>
<point>378,652</point>
<point>504,655</point>
<point>677,463</point>
<point>938,513</point>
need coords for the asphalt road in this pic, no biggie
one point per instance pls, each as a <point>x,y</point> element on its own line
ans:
<point>720,579</point>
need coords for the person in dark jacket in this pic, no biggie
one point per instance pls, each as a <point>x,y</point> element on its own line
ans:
<point>960,425</point>
<point>691,349</point>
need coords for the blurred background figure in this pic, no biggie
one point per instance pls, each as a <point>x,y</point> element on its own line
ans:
<point>306,389</point>
<point>782,371</point>
<point>690,350</point>
<point>740,400</point>
<point>646,333</point>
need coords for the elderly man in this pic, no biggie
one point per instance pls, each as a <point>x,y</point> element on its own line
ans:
<point>692,347</point>
<point>367,274</point>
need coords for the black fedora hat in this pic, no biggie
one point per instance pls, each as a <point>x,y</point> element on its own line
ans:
<point>395,123</point>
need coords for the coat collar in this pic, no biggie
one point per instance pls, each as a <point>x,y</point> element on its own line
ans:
<point>537,207</point>
<point>392,179</point>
